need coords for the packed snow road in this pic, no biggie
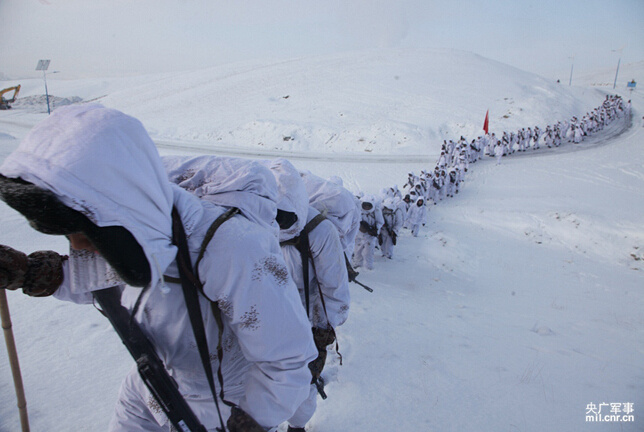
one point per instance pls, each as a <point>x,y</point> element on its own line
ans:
<point>612,132</point>
<point>15,127</point>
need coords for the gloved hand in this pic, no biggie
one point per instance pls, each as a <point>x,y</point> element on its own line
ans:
<point>240,421</point>
<point>373,232</point>
<point>39,274</point>
<point>13,268</point>
<point>364,227</point>
<point>368,229</point>
<point>322,338</point>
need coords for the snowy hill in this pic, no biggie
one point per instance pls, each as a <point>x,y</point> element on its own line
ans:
<point>394,102</point>
<point>517,307</point>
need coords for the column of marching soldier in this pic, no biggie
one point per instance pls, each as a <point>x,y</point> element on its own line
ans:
<point>276,268</point>
<point>385,214</point>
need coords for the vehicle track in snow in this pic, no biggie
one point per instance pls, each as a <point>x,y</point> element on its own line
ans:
<point>612,132</point>
<point>208,148</point>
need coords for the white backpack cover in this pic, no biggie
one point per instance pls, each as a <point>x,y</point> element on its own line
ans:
<point>229,182</point>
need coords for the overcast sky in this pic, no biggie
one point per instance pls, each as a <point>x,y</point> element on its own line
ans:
<point>113,37</point>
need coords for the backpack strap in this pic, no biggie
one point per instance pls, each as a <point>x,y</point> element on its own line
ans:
<point>337,346</point>
<point>304,247</point>
<point>301,243</point>
<point>211,232</point>
<point>313,223</point>
<point>214,306</point>
<point>307,229</point>
<point>192,286</point>
<point>305,253</point>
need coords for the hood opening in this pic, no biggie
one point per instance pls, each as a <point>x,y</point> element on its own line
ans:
<point>48,215</point>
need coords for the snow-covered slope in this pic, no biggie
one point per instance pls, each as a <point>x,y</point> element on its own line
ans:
<point>519,304</point>
<point>399,102</point>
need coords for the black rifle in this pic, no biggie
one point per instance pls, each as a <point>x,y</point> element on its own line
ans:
<point>154,375</point>
<point>319,385</point>
<point>353,274</point>
<point>362,285</point>
<point>368,229</point>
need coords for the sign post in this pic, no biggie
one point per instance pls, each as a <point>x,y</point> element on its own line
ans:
<point>618,62</point>
<point>43,65</point>
<point>616,72</point>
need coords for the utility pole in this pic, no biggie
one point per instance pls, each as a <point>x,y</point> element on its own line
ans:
<point>616,72</point>
<point>618,62</point>
<point>571,66</point>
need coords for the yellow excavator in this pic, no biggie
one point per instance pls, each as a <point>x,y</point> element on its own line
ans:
<point>4,103</point>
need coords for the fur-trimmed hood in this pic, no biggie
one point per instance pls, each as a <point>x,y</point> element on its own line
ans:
<point>102,163</point>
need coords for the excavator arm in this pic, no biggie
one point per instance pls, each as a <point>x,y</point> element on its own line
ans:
<point>4,103</point>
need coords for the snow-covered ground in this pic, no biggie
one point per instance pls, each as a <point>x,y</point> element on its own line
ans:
<point>519,304</point>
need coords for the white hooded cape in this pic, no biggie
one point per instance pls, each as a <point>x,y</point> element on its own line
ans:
<point>229,182</point>
<point>327,269</point>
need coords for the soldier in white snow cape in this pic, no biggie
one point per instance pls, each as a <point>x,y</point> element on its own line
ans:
<point>366,238</point>
<point>393,221</point>
<point>337,204</point>
<point>325,291</point>
<point>417,216</point>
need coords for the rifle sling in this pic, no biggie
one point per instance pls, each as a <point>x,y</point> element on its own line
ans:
<point>303,247</point>
<point>150,367</point>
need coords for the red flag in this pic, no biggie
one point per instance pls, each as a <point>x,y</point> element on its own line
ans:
<point>486,123</point>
